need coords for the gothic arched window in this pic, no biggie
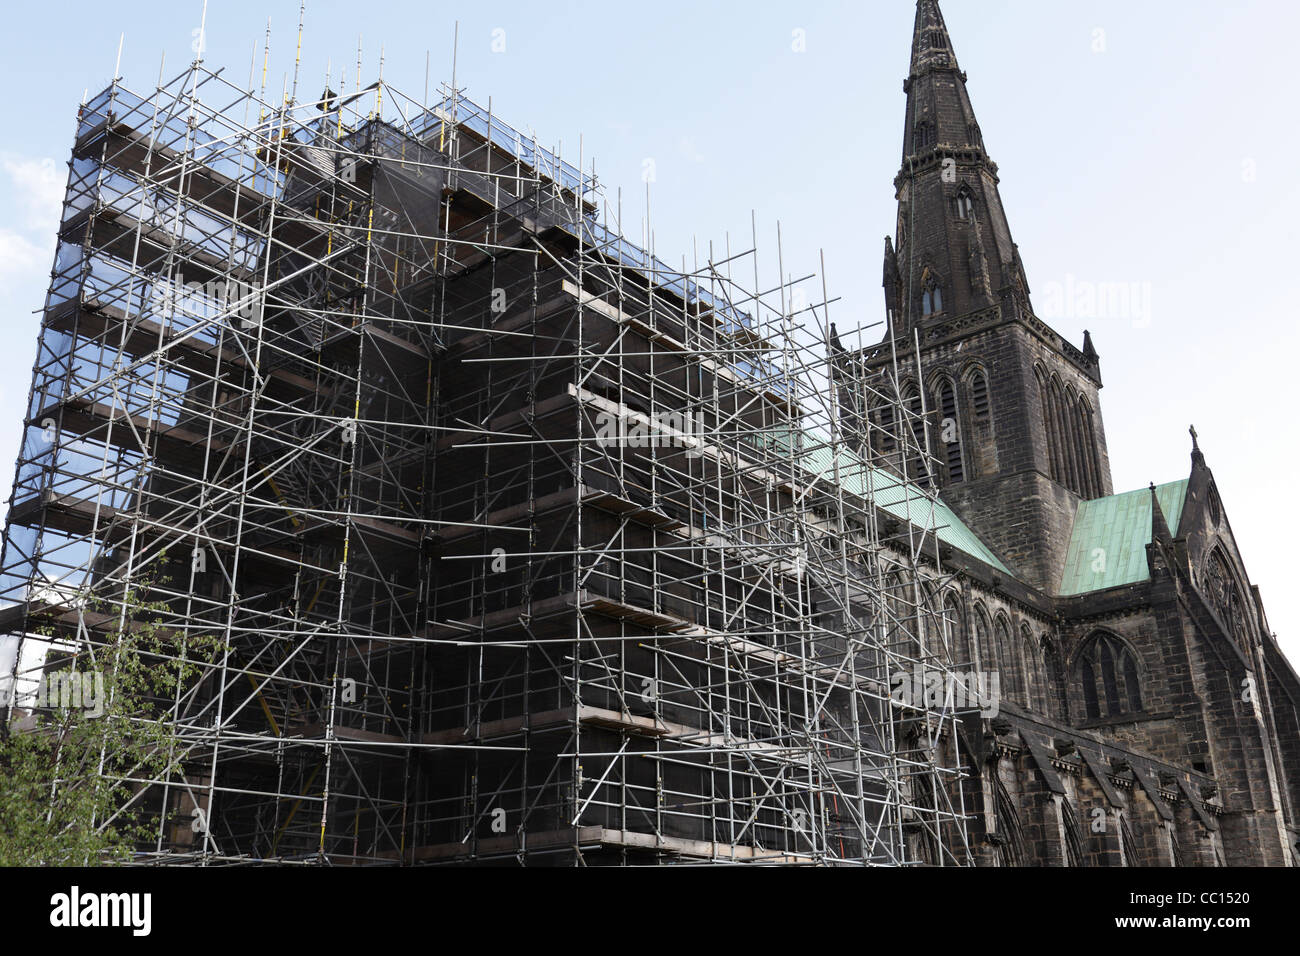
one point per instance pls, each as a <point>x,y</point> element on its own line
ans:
<point>950,431</point>
<point>1225,596</point>
<point>1011,852</point>
<point>1055,675</point>
<point>1088,678</point>
<point>928,630</point>
<point>931,294</point>
<point>1131,682</point>
<point>931,301</point>
<point>885,434</point>
<point>1087,463</point>
<point>1219,580</point>
<point>1073,835</point>
<point>923,135</point>
<point>1109,675</point>
<point>901,618</point>
<point>1088,437</point>
<point>955,624</point>
<point>1109,683</point>
<point>1069,414</point>
<point>1061,452</point>
<point>964,204</point>
<point>915,457</point>
<point>1012,686</point>
<point>1034,690</point>
<point>983,646</point>
<point>1049,424</point>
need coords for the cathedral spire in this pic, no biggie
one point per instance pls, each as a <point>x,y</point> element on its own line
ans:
<point>936,88</point>
<point>931,45</point>
<point>953,245</point>
<point>1015,420</point>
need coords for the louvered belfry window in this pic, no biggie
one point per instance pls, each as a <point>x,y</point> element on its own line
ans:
<point>949,427</point>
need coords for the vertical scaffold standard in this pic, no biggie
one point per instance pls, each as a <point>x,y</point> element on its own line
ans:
<point>519,543</point>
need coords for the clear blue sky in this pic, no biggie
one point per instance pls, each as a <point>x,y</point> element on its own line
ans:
<point>1159,152</point>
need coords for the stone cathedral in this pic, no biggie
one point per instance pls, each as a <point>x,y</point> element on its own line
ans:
<point>1148,716</point>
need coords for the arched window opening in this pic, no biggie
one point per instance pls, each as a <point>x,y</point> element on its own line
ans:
<point>901,619</point>
<point>1237,621</point>
<point>1218,578</point>
<point>983,648</point>
<point>1108,678</point>
<point>1089,681</point>
<point>1071,449</point>
<point>964,204</point>
<point>950,432</point>
<point>931,300</point>
<point>1225,597</point>
<point>1055,676</point>
<point>884,429</point>
<point>1058,419</point>
<point>1012,849</point>
<point>955,625</point>
<point>923,135</point>
<point>1049,428</point>
<point>1087,464</point>
<point>916,466</point>
<point>931,296</point>
<point>1128,845</point>
<point>928,626</point>
<point>1010,679</point>
<point>1108,671</point>
<point>1131,683</point>
<point>1073,835</point>
<point>1034,691</point>
<point>1094,455</point>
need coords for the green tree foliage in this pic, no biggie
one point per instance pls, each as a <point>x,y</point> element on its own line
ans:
<point>79,789</point>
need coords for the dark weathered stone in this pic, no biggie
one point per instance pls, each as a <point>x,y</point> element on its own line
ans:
<point>1217,732</point>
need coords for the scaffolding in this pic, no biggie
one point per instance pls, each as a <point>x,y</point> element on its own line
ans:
<point>523,546</point>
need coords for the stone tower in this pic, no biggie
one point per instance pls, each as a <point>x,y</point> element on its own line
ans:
<point>1012,417</point>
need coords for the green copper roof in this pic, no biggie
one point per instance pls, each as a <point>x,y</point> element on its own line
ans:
<point>1110,535</point>
<point>899,498</point>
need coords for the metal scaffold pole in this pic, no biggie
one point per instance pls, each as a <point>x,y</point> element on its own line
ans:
<point>519,543</point>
